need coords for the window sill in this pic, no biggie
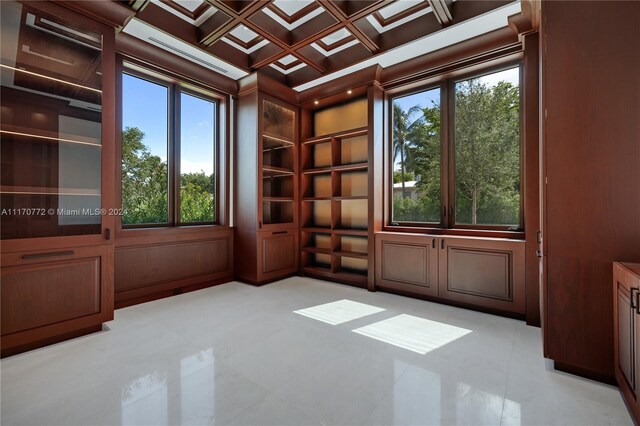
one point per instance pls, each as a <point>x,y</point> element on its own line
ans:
<point>485,233</point>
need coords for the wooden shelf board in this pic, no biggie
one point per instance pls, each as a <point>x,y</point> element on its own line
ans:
<point>272,171</point>
<point>316,250</point>
<point>317,230</point>
<point>341,168</point>
<point>41,190</point>
<point>350,167</point>
<point>318,170</point>
<point>50,136</point>
<point>318,270</point>
<point>352,197</point>
<point>317,140</point>
<point>317,199</point>
<point>354,254</point>
<point>278,199</point>
<point>355,232</point>
<point>279,138</point>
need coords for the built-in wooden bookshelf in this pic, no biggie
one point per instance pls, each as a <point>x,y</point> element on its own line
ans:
<point>266,206</point>
<point>335,195</point>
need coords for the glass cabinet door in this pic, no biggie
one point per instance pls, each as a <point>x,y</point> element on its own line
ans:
<point>278,159</point>
<point>50,127</point>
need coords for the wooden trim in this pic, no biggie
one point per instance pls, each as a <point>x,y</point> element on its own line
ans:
<point>110,13</point>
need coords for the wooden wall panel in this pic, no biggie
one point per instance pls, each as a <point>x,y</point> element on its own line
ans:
<point>484,272</point>
<point>590,105</point>
<point>480,273</point>
<point>47,293</point>
<point>140,266</point>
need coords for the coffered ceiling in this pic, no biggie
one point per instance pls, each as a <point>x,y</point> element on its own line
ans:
<point>294,41</point>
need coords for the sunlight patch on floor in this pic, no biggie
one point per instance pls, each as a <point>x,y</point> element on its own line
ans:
<point>415,334</point>
<point>339,312</point>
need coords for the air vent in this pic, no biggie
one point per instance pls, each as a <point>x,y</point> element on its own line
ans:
<point>188,55</point>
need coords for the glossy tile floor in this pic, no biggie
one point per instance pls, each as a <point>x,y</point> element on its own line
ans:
<point>237,354</point>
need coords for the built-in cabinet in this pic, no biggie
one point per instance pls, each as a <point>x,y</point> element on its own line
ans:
<point>626,296</point>
<point>590,175</point>
<point>482,272</point>
<point>266,202</point>
<point>56,142</point>
<point>337,216</point>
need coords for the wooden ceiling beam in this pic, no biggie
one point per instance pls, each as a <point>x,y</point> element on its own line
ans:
<point>442,12</point>
<point>286,49</point>
<point>347,23</point>
<point>211,36</point>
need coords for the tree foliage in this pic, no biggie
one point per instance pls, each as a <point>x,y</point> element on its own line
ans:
<point>145,186</point>
<point>487,156</point>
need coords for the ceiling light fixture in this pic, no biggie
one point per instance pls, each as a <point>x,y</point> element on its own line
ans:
<point>349,92</point>
<point>316,102</point>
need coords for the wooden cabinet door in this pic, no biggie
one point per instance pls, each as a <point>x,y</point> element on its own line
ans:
<point>51,293</point>
<point>627,321</point>
<point>482,272</point>
<point>407,262</point>
<point>277,253</point>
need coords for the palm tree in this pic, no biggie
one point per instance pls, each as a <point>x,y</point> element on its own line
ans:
<point>402,132</point>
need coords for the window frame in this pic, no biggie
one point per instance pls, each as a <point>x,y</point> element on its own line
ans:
<point>447,224</point>
<point>175,88</point>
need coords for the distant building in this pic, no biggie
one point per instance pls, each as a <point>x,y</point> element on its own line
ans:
<point>410,190</point>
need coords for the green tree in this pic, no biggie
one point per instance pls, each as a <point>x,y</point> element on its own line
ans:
<point>487,153</point>
<point>397,176</point>
<point>145,186</point>
<point>196,197</point>
<point>402,129</point>
<point>144,181</point>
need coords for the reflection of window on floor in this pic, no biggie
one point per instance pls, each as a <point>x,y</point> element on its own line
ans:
<point>415,334</point>
<point>146,399</point>
<point>339,312</point>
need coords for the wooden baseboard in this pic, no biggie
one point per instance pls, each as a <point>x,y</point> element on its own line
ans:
<point>49,341</point>
<point>168,293</point>
<point>588,374</point>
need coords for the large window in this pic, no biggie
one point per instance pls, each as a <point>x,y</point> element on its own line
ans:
<point>168,154</point>
<point>468,176</point>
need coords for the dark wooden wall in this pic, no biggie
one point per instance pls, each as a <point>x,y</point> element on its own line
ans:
<point>591,162</point>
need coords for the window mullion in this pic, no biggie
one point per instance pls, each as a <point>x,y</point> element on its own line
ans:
<point>175,150</point>
<point>451,157</point>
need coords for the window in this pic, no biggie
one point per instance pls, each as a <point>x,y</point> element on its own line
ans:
<point>480,154</point>
<point>168,154</point>
<point>416,157</point>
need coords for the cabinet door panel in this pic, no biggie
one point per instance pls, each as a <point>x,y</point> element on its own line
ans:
<point>626,335</point>
<point>278,253</point>
<point>483,272</point>
<point>407,262</point>
<point>37,295</point>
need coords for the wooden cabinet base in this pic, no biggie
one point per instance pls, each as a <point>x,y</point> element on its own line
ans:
<point>51,295</point>
<point>265,256</point>
<point>481,273</point>
<point>626,319</point>
<point>14,350</point>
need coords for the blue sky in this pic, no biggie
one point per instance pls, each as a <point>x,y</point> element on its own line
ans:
<point>145,106</point>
